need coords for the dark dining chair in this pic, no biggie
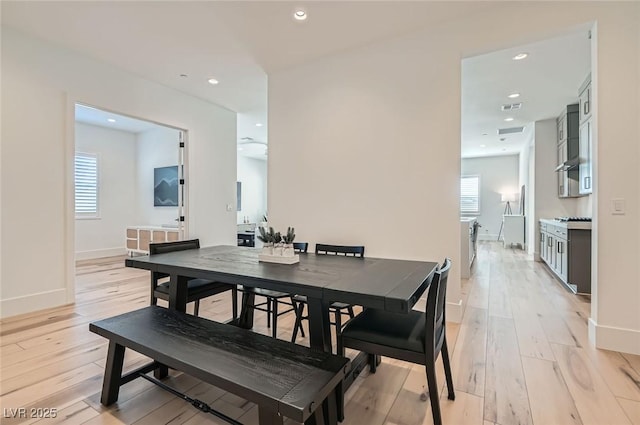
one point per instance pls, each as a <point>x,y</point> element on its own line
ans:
<point>197,289</point>
<point>274,299</point>
<point>416,337</point>
<point>338,309</point>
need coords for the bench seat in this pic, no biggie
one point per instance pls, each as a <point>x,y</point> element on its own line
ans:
<point>283,379</point>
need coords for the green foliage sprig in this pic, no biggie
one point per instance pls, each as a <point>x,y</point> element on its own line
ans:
<point>290,236</point>
<point>267,236</point>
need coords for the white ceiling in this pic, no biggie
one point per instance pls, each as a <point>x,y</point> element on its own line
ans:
<point>239,43</point>
<point>547,80</point>
<point>90,115</point>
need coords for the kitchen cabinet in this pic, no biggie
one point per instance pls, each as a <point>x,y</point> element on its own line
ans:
<point>468,244</point>
<point>568,151</point>
<point>586,140</point>
<point>566,249</point>
<point>584,93</point>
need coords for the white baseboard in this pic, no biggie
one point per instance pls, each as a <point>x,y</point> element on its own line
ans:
<point>100,253</point>
<point>616,339</point>
<point>33,302</point>
<point>454,311</point>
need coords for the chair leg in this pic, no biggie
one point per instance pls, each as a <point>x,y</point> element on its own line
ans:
<point>196,307</point>
<point>447,370</point>
<point>351,314</point>
<point>298,324</point>
<point>268,312</point>
<point>274,330</point>
<point>373,363</point>
<point>433,392</point>
<point>234,300</point>
<point>338,320</point>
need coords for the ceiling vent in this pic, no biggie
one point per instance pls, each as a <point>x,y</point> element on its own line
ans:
<point>511,130</point>
<point>511,106</point>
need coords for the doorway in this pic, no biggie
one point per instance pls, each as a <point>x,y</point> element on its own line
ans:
<point>129,184</point>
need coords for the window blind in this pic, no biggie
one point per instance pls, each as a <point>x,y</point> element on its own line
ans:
<point>470,194</point>
<point>86,184</point>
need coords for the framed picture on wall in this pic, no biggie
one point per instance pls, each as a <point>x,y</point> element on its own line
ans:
<point>165,186</point>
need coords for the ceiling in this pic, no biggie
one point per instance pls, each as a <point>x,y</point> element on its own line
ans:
<point>548,79</point>
<point>240,42</point>
<point>90,115</point>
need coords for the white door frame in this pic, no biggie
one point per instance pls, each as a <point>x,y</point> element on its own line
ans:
<point>69,193</point>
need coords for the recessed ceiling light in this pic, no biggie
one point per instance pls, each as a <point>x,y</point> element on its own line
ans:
<point>183,75</point>
<point>520,56</point>
<point>513,95</point>
<point>483,146</point>
<point>213,81</point>
<point>484,134</point>
<point>111,120</point>
<point>502,139</point>
<point>508,119</point>
<point>258,124</point>
<point>300,15</point>
<point>240,149</point>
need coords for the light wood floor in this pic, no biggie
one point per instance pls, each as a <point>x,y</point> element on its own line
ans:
<point>521,356</point>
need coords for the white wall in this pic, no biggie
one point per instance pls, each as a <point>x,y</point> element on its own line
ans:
<point>116,152</point>
<point>372,137</point>
<point>157,147</point>
<point>40,83</point>
<point>253,175</point>
<point>526,169</point>
<point>498,174</point>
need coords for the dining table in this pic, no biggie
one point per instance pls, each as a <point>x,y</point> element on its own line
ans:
<point>392,285</point>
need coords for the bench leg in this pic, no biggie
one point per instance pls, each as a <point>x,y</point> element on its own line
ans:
<point>269,417</point>
<point>330,407</point>
<point>112,374</point>
<point>340,401</point>
<point>317,418</point>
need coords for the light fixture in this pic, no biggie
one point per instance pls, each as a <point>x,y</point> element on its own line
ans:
<point>300,15</point>
<point>213,81</point>
<point>483,146</point>
<point>111,120</point>
<point>484,134</point>
<point>508,119</point>
<point>513,95</point>
<point>240,149</point>
<point>258,124</point>
<point>520,56</point>
<point>502,139</point>
<point>183,75</point>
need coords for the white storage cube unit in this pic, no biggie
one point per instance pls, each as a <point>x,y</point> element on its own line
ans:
<point>513,229</point>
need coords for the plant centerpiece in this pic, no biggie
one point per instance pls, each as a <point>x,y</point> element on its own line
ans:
<point>278,248</point>
<point>287,240</point>
<point>267,237</point>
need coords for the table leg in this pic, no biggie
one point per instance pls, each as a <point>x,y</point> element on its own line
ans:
<point>319,327</point>
<point>246,313</point>
<point>178,293</point>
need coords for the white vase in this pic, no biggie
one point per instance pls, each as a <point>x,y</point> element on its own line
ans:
<point>267,248</point>
<point>287,250</point>
<point>277,249</point>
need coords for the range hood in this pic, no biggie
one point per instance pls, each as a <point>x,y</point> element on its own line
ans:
<point>569,165</point>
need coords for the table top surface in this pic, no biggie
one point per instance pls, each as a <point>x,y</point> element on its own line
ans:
<point>392,285</point>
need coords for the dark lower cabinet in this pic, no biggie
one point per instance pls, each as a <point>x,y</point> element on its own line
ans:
<point>567,252</point>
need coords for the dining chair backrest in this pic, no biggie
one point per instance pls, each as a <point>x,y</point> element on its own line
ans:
<point>301,247</point>
<point>161,248</point>
<point>347,250</point>
<point>435,311</point>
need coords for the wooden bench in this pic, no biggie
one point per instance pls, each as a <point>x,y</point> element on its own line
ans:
<point>283,379</point>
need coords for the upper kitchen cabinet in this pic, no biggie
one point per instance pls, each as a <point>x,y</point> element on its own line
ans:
<point>586,139</point>
<point>585,100</point>
<point>568,151</point>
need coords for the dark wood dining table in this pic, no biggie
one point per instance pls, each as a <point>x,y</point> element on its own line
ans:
<point>385,284</point>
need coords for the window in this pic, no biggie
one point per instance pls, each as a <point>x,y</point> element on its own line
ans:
<point>470,195</point>
<point>86,183</point>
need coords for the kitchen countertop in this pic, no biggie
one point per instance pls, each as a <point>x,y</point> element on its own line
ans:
<point>571,225</point>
